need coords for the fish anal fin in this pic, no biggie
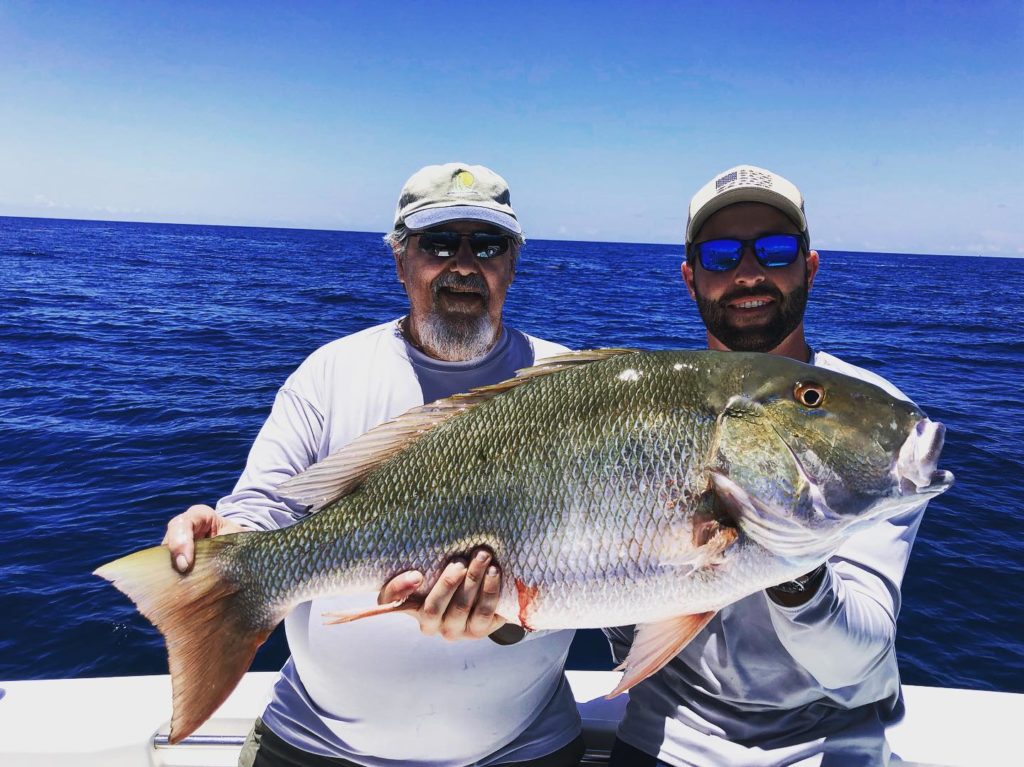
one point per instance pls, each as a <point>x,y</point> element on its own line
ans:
<point>210,634</point>
<point>343,471</point>
<point>655,644</point>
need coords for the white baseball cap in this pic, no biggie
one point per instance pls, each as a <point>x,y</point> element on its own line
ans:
<point>745,183</point>
<point>455,191</point>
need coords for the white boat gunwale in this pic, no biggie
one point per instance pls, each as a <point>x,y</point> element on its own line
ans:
<point>124,721</point>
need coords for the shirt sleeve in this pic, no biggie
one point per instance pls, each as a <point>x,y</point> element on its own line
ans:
<point>286,445</point>
<point>848,628</point>
<point>543,349</point>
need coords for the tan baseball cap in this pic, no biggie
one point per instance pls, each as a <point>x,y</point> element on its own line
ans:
<point>745,183</point>
<point>455,191</point>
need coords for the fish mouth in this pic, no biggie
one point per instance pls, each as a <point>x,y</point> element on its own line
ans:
<point>917,462</point>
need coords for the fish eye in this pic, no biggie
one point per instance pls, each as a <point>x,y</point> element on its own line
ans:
<point>809,394</point>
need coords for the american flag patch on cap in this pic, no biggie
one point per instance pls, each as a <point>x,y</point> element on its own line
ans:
<point>725,180</point>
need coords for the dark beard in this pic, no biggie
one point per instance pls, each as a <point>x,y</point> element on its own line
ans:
<point>789,313</point>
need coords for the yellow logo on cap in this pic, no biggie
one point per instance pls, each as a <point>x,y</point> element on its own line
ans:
<point>465,178</point>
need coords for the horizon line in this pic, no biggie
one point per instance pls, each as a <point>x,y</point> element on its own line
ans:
<point>541,239</point>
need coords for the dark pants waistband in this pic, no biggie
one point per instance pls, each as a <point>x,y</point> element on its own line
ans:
<point>265,749</point>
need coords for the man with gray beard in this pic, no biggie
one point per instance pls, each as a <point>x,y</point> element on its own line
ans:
<point>384,691</point>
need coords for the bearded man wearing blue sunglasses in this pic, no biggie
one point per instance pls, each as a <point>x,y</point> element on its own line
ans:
<point>804,672</point>
<point>749,265</point>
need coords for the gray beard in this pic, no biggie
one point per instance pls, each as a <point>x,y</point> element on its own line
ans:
<point>456,338</point>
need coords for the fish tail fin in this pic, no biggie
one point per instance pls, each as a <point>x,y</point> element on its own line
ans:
<point>211,632</point>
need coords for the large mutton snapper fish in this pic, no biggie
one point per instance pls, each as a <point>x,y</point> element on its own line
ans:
<point>613,487</point>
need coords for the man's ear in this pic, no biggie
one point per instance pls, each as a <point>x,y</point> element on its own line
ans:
<point>812,267</point>
<point>399,266</point>
<point>688,278</point>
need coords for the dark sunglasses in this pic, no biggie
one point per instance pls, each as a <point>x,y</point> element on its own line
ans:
<point>446,244</point>
<point>771,250</point>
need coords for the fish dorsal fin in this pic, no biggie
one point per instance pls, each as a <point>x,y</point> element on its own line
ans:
<point>567,360</point>
<point>344,470</point>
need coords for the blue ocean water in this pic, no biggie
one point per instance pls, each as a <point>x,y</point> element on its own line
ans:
<point>139,360</point>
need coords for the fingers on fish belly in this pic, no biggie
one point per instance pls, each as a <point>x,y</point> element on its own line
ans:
<point>655,644</point>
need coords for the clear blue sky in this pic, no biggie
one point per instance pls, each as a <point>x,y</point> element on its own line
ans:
<point>902,122</point>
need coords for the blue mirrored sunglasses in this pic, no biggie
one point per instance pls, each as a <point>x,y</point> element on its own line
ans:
<point>771,250</point>
<point>446,244</point>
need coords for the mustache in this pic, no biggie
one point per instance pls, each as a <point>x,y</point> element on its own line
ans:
<point>464,282</point>
<point>764,289</point>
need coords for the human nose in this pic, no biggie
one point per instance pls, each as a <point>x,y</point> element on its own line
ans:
<point>749,270</point>
<point>465,261</point>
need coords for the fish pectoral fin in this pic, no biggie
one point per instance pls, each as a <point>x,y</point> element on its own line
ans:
<point>655,644</point>
<point>706,546</point>
<point>333,619</point>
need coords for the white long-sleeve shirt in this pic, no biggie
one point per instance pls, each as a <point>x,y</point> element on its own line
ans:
<point>765,684</point>
<point>376,691</point>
